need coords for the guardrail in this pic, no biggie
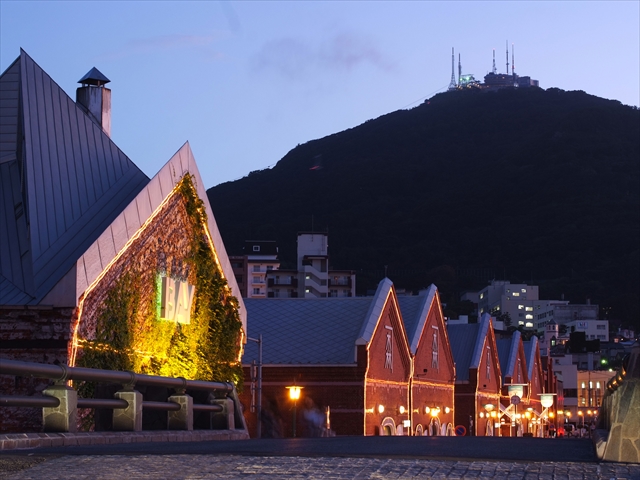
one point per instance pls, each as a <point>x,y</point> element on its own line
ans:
<point>60,402</point>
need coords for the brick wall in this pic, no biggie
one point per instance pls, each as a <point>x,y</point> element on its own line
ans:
<point>162,247</point>
<point>30,334</point>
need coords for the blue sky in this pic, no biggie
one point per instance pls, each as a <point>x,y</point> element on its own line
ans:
<point>246,81</point>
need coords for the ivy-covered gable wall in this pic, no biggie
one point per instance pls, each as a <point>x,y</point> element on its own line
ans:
<point>118,324</point>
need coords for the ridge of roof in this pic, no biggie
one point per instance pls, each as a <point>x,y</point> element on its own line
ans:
<point>483,330</point>
<point>530,354</point>
<point>68,208</point>
<point>375,310</point>
<point>416,324</point>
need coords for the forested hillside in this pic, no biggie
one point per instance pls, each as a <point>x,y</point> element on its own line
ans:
<point>529,185</point>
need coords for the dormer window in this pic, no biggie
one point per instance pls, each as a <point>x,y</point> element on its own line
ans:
<point>256,248</point>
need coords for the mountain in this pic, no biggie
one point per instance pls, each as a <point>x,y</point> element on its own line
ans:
<point>529,185</point>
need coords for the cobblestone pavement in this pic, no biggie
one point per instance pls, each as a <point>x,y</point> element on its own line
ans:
<point>230,466</point>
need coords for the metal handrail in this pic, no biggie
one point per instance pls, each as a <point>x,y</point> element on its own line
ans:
<point>62,373</point>
<point>18,401</point>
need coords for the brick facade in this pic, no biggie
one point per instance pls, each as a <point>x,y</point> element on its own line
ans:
<point>482,388</point>
<point>433,375</point>
<point>30,334</point>
<point>380,376</point>
<point>162,247</point>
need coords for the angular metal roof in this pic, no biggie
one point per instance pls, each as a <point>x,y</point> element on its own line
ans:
<point>415,310</point>
<point>63,182</point>
<point>530,354</point>
<point>463,339</point>
<point>311,331</point>
<point>508,353</point>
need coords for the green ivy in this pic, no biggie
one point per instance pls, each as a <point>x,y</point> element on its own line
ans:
<point>130,336</point>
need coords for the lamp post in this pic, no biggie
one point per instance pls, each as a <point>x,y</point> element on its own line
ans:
<point>546,400</point>
<point>294,394</point>
<point>259,389</point>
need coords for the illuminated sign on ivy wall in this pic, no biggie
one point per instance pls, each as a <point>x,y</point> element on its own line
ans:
<point>176,298</point>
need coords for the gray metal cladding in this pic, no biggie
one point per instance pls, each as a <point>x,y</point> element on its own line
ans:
<point>76,179</point>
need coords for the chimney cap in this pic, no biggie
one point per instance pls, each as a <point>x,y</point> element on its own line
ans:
<point>94,77</point>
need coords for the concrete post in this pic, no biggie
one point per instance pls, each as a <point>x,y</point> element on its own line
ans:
<point>224,420</point>
<point>130,418</point>
<point>62,418</point>
<point>181,419</point>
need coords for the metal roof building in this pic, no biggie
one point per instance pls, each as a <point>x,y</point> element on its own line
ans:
<point>70,198</point>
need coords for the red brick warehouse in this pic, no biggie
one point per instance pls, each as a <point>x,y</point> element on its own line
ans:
<point>349,355</point>
<point>432,381</point>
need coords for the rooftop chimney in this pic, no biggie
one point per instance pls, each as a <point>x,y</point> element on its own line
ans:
<point>95,99</point>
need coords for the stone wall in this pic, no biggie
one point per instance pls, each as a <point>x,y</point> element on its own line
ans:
<point>617,438</point>
<point>31,334</point>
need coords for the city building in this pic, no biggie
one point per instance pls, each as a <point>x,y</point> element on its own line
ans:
<point>478,376</point>
<point>315,278</point>
<point>432,382</point>
<point>91,245</point>
<point>349,356</point>
<point>250,269</point>
<point>259,274</point>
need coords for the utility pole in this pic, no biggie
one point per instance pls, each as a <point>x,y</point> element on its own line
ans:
<point>259,389</point>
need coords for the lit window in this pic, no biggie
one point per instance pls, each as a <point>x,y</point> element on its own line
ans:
<point>529,309</point>
<point>584,385</point>
<point>524,290</point>
<point>488,364</point>
<point>520,322</point>
<point>598,385</point>
<point>481,296</point>
<point>516,294</point>
<point>528,325</point>
<point>520,307</point>
<point>528,316</point>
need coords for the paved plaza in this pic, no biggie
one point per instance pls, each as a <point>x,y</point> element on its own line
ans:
<point>231,466</point>
<point>338,458</point>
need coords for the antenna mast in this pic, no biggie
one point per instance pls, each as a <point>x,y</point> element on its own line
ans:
<point>513,65</point>
<point>507,57</point>
<point>493,70</point>
<point>452,83</point>
<point>459,69</point>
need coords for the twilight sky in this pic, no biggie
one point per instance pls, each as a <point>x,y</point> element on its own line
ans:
<point>246,81</point>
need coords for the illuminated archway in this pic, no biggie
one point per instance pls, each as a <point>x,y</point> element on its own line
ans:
<point>388,427</point>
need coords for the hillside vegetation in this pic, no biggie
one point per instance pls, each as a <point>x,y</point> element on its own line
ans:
<point>529,185</point>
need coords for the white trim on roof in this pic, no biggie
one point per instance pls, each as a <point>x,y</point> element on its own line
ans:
<point>425,308</point>
<point>375,311</point>
<point>483,331</point>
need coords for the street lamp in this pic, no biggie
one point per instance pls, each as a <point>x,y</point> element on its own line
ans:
<point>294,394</point>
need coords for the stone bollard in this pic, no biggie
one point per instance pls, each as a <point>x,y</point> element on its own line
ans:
<point>224,420</point>
<point>181,419</point>
<point>128,419</point>
<point>62,418</point>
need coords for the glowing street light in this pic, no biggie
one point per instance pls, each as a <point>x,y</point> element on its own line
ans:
<point>294,394</point>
